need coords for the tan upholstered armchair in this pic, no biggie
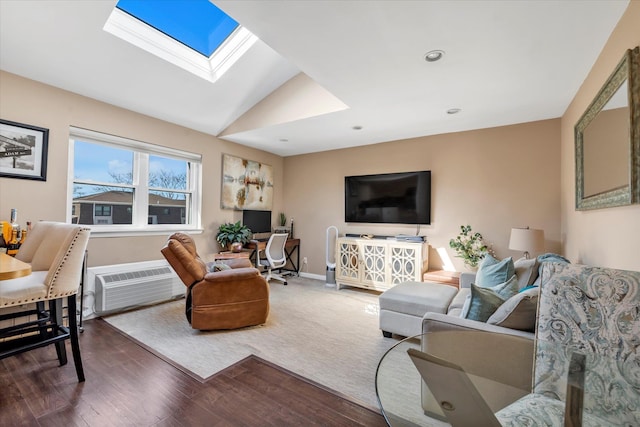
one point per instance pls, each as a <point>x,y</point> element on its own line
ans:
<point>226,299</point>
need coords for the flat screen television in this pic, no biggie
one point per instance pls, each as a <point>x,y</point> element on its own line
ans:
<point>391,198</point>
<point>257,221</point>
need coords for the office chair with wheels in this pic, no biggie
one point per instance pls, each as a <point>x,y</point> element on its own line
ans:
<point>276,258</point>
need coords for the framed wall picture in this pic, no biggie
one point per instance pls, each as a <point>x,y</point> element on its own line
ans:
<point>246,184</point>
<point>23,151</point>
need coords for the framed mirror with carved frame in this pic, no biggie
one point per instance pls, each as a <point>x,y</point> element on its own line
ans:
<point>607,141</point>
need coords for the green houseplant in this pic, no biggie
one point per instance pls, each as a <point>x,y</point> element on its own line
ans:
<point>469,246</point>
<point>230,233</point>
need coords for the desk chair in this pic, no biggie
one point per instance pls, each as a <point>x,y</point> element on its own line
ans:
<point>56,253</point>
<point>276,256</point>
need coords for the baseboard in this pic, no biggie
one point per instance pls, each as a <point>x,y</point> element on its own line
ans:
<point>313,276</point>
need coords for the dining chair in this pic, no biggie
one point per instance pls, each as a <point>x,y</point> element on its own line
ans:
<point>56,252</point>
<point>276,257</point>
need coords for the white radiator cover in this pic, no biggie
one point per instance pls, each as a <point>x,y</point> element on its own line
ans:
<point>125,286</point>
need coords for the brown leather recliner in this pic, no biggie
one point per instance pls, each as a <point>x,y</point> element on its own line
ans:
<point>227,299</point>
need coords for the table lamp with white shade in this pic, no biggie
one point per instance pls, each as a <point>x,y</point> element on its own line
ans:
<point>527,240</point>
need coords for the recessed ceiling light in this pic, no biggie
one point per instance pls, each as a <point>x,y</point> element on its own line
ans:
<point>357,128</point>
<point>453,110</point>
<point>434,55</point>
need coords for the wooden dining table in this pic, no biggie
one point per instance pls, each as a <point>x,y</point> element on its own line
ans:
<point>12,268</point>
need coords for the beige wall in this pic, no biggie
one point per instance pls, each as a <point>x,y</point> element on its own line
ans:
<point>30,102</point>
<point>603,237</point>
<point>492,179</point>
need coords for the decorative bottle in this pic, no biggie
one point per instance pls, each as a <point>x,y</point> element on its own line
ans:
<point>15,227</point>
<point>14,242</point>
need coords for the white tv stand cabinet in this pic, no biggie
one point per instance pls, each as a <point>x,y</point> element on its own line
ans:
<point>379,264</point>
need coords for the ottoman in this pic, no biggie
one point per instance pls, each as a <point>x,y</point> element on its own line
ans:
<point>403,306</point>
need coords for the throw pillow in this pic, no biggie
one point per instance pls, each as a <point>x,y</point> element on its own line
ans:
<point>507,289</point>
<point>483,303</point>
<point>526,270</point>
<point>218,266</point>
<point>493,272</point>
<point>518,312</point>
<point>553,258</point>
<point>465,307</point>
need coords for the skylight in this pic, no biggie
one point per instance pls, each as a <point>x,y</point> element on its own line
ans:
<point>194,35</point>
<point>195,23</point>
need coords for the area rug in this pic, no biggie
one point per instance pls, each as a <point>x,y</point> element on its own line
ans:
<point>328,336</point>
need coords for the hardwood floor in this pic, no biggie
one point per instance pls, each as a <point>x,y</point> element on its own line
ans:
<point>127,385</point>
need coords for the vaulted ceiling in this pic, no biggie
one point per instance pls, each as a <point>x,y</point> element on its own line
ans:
<point>329,74</point>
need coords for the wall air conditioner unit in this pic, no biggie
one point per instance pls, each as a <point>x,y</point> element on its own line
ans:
<point>127,286</point>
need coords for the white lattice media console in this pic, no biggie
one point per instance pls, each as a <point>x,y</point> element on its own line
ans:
<point>379,264</point>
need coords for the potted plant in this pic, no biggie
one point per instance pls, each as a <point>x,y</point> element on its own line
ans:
<point>233,235</point>
<point>469,246</point>
<point>282,227</point>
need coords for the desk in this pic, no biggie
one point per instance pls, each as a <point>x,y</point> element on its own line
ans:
<point>231,255</point>
<point>11,268</point>
<point>292,245</point>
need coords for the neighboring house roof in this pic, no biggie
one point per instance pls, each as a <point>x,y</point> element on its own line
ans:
<point>126,198</point>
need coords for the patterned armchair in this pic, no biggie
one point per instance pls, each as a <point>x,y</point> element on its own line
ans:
<point>595,312</point>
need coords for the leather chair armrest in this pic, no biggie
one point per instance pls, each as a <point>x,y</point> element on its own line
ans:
<point>230,286</point>
<point>235,274</point>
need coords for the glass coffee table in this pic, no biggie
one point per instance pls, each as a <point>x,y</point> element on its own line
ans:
<point>467,392</point>
<point>399,385</point>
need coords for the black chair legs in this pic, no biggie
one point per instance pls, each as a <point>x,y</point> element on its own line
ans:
<point>73,337</point>
<point>46,330</point>
<point>55,310</point>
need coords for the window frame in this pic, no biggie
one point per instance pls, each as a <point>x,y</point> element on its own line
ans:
<point>141,153</point>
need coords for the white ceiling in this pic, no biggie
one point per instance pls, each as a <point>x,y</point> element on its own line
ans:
<point>506,62</point>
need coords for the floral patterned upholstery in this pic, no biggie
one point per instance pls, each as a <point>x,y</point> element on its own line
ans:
<point>596,312</point>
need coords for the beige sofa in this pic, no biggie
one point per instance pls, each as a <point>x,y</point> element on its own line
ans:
<point>403,307</point>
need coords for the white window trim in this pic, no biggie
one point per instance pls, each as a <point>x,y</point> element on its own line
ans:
<point>141,200</point>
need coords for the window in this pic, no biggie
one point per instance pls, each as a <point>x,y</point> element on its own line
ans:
<point>102,210</point>
<point>198,24</point>
<point>118,185</point>
<point>194,35</point>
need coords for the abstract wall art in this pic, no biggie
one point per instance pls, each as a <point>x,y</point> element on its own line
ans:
<point>246,184</point>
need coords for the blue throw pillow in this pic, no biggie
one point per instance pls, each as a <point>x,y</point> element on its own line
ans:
<point>507,289</point>
<point>552,257</point>
<point>483,303</point>
<point>493,272</point>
